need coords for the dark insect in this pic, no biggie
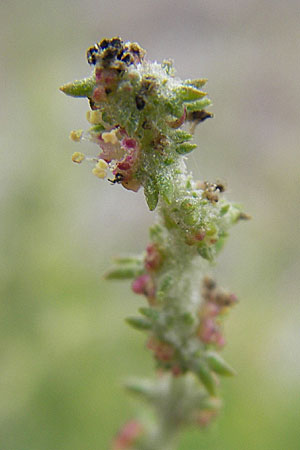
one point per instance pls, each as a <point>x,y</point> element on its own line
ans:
<point>118,178</point>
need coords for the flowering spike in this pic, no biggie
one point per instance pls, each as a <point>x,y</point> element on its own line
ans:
<point>138,122</point>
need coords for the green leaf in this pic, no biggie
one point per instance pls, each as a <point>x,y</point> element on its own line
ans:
<point>180,136</point>
<point>122,272</point>
<point>174,107</point>
<point>218,365</point>
<point>145,388</point>
<point>165,284</point>
<point>198,83</point>
<point>205,252</point>
<point>185,148</point>
<point>139,323</point>
<point>79,88</point>
<point>166,190</point>
<point>150,313</point>
<point>224,210</point>
<point>156,233</point>
<point>190,93</point>
<point>221,242</point>
<point>151,194</point>
<point>198,105</point>
<point>130,259</point>
<point>206,377</point>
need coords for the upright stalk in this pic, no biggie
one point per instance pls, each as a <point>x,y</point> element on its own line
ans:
<point>143,118</point>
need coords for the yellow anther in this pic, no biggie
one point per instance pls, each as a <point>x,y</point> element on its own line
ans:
<point>100,173</point>
<point>101,164</point>
<point>94,117</point>
<point>110,137</point>
<point>78,157</point>
<point>76,135</point>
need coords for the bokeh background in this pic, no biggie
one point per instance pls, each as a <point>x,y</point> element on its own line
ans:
<point>65,348</point>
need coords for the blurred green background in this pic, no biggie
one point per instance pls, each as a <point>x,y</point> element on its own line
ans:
<point>65,348</point>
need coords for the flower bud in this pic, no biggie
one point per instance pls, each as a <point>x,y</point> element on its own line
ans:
<point>127,435</point>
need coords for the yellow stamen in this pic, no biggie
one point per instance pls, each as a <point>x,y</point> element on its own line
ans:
<point>78,157</point>
<point>110,137</point>
<point>100,173</point>
<point>94,117</point>
<point>101,164</point>
<point>76,135</point>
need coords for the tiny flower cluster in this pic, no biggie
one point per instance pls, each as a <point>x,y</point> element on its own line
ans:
<point>119,153</point>
<point>216,303</point>
<point>145,283</point>
<point>211,191</point>
<point>137,110</point>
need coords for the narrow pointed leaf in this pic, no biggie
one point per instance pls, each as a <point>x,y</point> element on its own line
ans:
<point>151,313</point>
<point>79,88</point>
<point>181,136</point>
<point>139,323</point>
<point>218,365</point>
<point>190,93</point>
<point>151,194</point>
<point>198,105</point>
<point>206,377</point>
<point>198,83</point>
<point>141,387</point>
<point>122,272</point>
<point>185,148</point>
<point>129,259</point>
<point>206,253</point>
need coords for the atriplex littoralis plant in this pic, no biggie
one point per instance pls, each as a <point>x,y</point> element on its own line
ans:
<point>142,118</point>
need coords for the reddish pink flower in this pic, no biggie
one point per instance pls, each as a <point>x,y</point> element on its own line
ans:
<point>210,332</point>
<point>144,285</point>
<point>129,143</point>
<point>127,435</point>
<point>106,77</point>
<point>153,257</point>
<point>162,350</point>
<point>99,94</point>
